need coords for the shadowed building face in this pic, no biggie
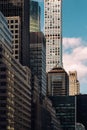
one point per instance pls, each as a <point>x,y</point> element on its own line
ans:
<point>58,82</point>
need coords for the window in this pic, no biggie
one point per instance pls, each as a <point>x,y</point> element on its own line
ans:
<point>16,26</point>
<point>3,69</point>
<point>11,26</point>
<point>16,46</point>
<point>2,76</point>
<point>3,83</point>
<point>16,41</point>
<point>16,21</point>
<point>16,31</point>
<point>16,57</point>
<point>12,31</point>
<point>16,52</point>
<point>11,21</point>
<point>16,36</point>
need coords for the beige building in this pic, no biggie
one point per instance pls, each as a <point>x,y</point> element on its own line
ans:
<point>53,33</point>
<point>74,85</point>
<point>14,25</point>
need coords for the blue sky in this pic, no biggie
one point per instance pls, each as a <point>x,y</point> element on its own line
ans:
<point>74,13</point>
<point>74,30</point>
<point>75,18</point>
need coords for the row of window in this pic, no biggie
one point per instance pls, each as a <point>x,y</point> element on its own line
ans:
<point>13,21</point>
<point>52,62</point>
<point>13,26</point>
<point>53,27</point>
<point>15,31</point>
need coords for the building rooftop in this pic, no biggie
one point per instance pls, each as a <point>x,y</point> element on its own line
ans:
<point>57,69</point>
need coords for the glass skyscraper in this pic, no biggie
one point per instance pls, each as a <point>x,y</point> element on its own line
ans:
<point>38,58</point>
<point>35,11</point>
<point>65,107</point>
<point>53,33</point>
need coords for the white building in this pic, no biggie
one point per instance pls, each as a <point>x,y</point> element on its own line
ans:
<point>53,33</point>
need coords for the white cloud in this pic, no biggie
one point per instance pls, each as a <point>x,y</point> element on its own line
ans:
<point>71,42</point>
<point>75,57</point>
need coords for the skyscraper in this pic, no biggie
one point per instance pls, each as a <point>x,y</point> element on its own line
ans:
<point>81,112</point>
<point>11,8</point>
<point>38,58</point>
<point>65,107</point>
<point>35,11</point>
<point>53,33</point>
<point>74,85</point>
<point>58,82</point>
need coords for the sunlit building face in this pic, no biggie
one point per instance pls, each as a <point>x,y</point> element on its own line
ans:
<point>53,33</point>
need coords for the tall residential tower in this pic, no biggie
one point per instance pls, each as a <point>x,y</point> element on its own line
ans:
<point>53,33</point>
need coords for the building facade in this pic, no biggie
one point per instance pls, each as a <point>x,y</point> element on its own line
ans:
<point>74,85</point>
<point>14,25</point>
<point>82,109</point>
<point>53,33</point>
<point>55,123</point>
<point>15,86</point>
<point>35,13</point>
<point>21,9</point>
<point>38,58</point>
<point>65,107</point>
<point>57,82</point>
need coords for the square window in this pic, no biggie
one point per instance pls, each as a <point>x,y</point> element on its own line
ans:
<point>16,31</point>
<point>12,21</point>
<point>16,21</point>
<point>16,26</point>
<point>16,52</point>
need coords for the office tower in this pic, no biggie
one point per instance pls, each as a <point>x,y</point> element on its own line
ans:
<point>35,13</point>
<point>65,107</point>
<point>81,112</point>
<point>53,33</point>
<point>74,85</point>
<point>57,82</point>
<point>38,58</point>
<point>15,88</point>
<point>11,8</point>
<point>14,25</point>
